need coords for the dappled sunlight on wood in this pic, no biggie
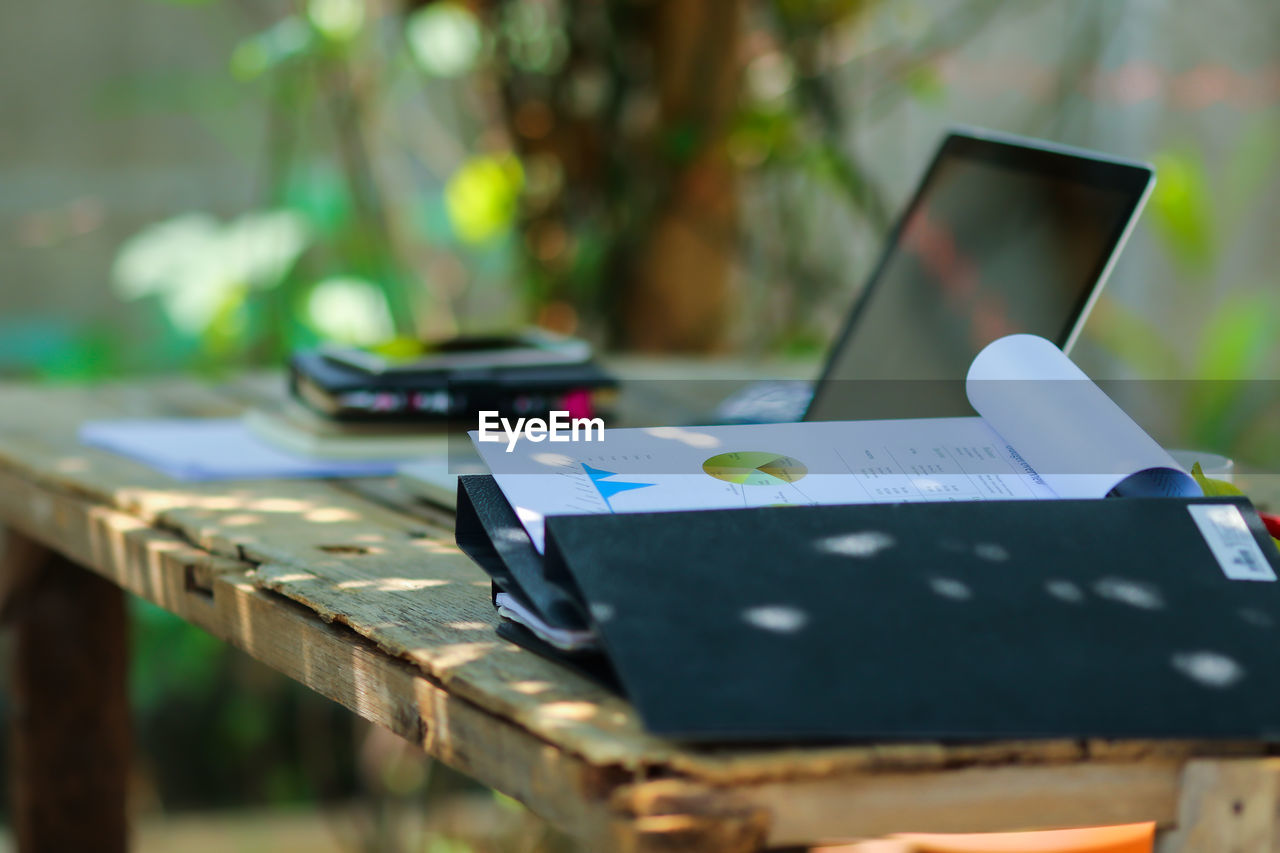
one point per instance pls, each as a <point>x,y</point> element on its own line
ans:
<point>104,517</point>
<point>408,584</point>
<point>569,711</point>
<point>433,546</point>
<point>297,577</point>
<point>331,515</point>
<point>244,628</point>
<point>216,503</point>
<point>279,505</point>
<point>72,465</point>
<point>390,584</point>
<point>360,583</point>
<point>108,532</point>
<point>468,626</point>
<point>460,654</point>
<point>161,500</point>
<point>531,688</point>
<point>241,520</point>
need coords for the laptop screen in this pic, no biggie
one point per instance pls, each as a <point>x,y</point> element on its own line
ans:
<point>1002,236</point>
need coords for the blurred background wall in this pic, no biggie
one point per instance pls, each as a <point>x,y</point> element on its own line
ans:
<point>115,116</point>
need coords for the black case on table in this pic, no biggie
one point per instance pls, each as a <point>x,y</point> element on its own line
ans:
<point>511,391</point>
<point>1072,618</point>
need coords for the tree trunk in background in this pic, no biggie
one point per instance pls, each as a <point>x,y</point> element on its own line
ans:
<point>680,291</point>
<point>635,240</point>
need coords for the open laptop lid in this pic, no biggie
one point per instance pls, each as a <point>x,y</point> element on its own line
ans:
<point>1004,234</point>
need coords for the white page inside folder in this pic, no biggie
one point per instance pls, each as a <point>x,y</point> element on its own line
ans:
<point>1044,431</point>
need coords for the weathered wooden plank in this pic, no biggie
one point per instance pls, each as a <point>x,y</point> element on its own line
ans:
<point>1227,806</point>
<point>336,663</point>
<point>223,597</point>
<point>976,799</point>
<point>384,574</point>
<point>356,563</point>
<point>153,564</point>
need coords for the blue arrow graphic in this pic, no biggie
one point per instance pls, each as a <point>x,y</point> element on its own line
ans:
<point>608,488</point>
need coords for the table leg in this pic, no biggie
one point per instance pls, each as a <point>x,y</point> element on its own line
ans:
<point>70,728</point>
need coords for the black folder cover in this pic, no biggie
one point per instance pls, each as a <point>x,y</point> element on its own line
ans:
<point>940,620</point>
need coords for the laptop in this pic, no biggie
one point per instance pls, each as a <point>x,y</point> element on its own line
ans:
<point>1003,234</point>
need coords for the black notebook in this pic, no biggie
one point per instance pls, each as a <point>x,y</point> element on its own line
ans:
<point>345,392</point>
<point>1126,617</point>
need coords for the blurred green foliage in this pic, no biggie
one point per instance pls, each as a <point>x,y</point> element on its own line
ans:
<point>219,730</point>
<point>338,250</point>
<point>399,195</point>
<point>1228,402</point>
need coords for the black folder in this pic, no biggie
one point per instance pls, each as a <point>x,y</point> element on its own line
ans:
<point>1097,618</point>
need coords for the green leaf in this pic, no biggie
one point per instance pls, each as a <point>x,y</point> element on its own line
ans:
<point>337,21</point>
<point>532,37</point>
<point>1180,209</point>
<point>285,40</point>
<point>1134,339</point>
<point>198,266</point>
<point>1213,488</point>
<point>1240,343</point>
<point>445,39</point>
<point>508,804</point>
<point>681,142</point>
<point>1239,336</point>
<point>821,13</point>
<point>925,83</point>
<point>319,193</point>
<point>760,133</point>
<point>482,195</point>
<point>349,310</point>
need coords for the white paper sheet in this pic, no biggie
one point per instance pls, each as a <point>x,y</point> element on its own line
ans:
<point>216,449</point>
<point>1078,439</point>
<point>723,467</point>
<point>1040,414</point>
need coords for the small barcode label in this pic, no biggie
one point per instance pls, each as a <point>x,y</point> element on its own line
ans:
<point>1228,537</point>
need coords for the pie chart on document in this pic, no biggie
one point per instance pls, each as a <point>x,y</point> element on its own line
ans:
<point>755,468</point>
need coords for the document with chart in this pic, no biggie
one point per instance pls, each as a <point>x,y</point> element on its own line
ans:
<point>1044,431</point>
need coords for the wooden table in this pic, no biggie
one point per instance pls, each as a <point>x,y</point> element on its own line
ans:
<point>358,593</point>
